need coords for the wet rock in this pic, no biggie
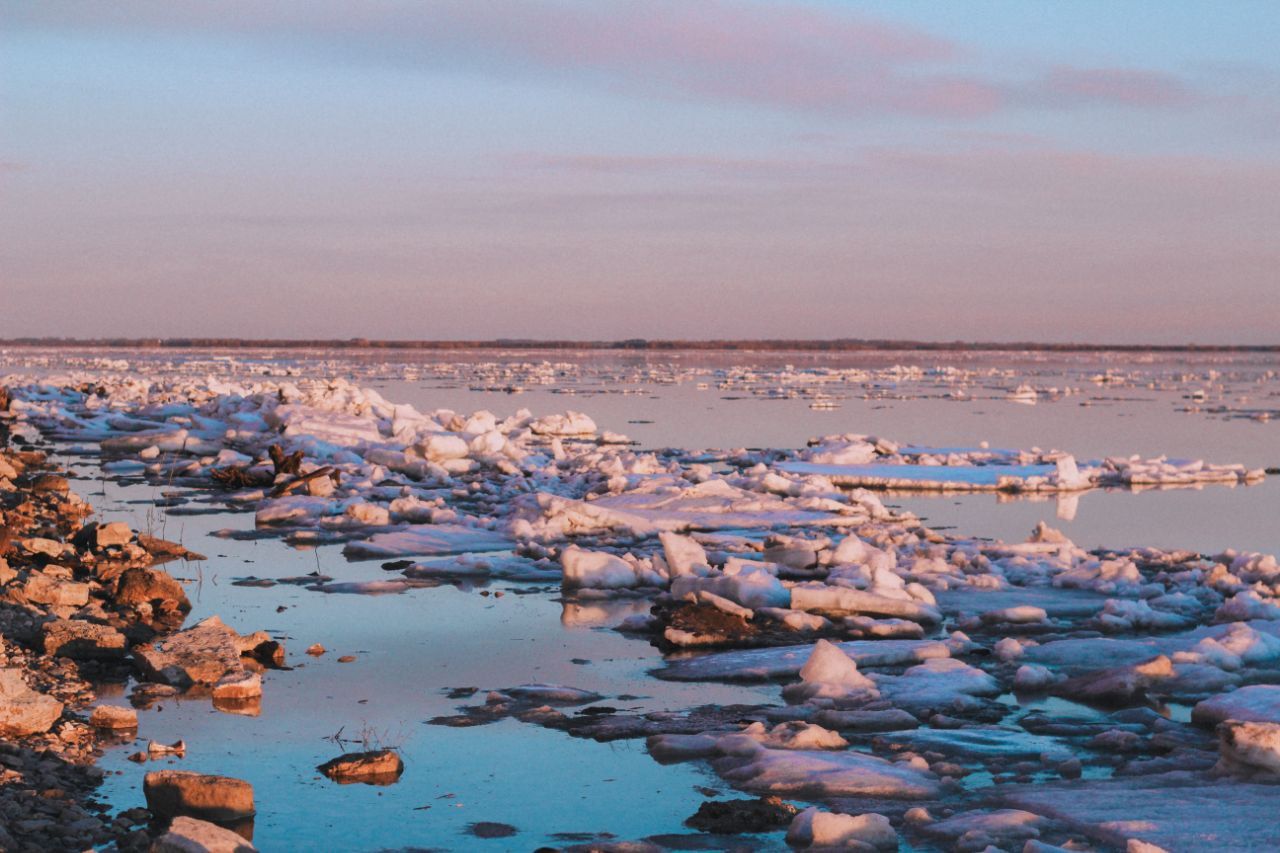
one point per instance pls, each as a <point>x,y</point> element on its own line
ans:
<point>238,685</point>
<point>491,829</point>
<point>204,654</point>
<point>189,835</point>
<point>315,650</point>
<point>153,587</point>
<point>377,767</point>
<point>24,711</point>
<point>74,638</point>
<point>175,793</point>
<point>113,717</point>
<point>727,817</point>
<point>164,549</point>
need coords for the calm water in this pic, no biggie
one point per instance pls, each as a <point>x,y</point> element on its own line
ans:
<point>412,647</point>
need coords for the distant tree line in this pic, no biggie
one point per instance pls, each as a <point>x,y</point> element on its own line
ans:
<point>640,344</point>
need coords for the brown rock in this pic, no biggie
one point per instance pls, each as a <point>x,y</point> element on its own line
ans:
<point>50,483</point>
<point>203,654</point>
<point>54,592</point>
<point>175,793</point>
<point>115,533</point>
<point>163,548</point>
<point>113,717</point>
<point>189,835</point>
<point>24,711</point>
<point>151,586</point>
<point>379,767</point>
<point>80,640</point>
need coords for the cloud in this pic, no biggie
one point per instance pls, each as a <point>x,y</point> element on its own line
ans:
<point>1130,87</point>
<point>787,56</point>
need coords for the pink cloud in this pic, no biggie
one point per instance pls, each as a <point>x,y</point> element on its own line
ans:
<point>1120,86</point>
<point>784,55</point>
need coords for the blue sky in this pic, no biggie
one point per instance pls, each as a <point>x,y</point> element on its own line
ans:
<point>1005,171</point>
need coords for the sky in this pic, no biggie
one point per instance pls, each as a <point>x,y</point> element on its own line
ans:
<point>994,170</point>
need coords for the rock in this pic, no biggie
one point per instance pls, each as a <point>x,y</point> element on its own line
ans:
<point>727,817</point>
<point>163,548</point>
<point>37,545</point>
<point>115,533</point>
<point>315,650</point>
<point>42,589</point>
<point>24,711</point>
<point>113,717</point>
<point>204,654</point>
<point>189,835</point>
<point>157,588</point>
<point>74,638</point>
<point>379,767</point>
<point>238,685</point>
<point>491,829</point>
<point>175,793</point>
<point>50,484</point>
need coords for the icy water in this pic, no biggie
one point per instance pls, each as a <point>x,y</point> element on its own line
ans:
<point>411,648</point>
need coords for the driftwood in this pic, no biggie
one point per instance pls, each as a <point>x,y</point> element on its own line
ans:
<point>290,464</point>
<point>289,487</point>
<point>239,477</point>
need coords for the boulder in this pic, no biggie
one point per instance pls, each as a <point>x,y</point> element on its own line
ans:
<point>154,587</point>
<point>175,793</point>
<point>189,835</point>
<point>54,592</point>
<point>24,711</point>
<point>115,533</point>
<point>379,767</point>
<point>74,638</point>
<point>203,654</point>
<point>113,717</point>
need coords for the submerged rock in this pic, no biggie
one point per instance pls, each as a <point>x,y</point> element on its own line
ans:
<point>729,817</point>
<point>174,793</point>
<point>377,767</point>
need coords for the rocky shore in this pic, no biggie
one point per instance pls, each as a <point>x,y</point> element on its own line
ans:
<point>86,608</point>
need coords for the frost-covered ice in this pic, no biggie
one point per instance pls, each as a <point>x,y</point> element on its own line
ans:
<point>895,663</point>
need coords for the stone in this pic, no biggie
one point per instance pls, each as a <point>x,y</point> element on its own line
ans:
<point>151,586</point>
<point>115,533</point>
<point>190,835</point>
<point>174,793</point>
<point>378,767</point>
<point>238,685</point>
<point>24,711</point>
<point>725,817</point>
<point>203,654</point>
<point>80,640</point>
<point>50,548</point>
<point>42,589</point>
<point>50,484</point>
<point>113,717</point>
<point>315,650</point>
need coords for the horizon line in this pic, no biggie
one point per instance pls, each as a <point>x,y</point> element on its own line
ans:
<point>625,344</point>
